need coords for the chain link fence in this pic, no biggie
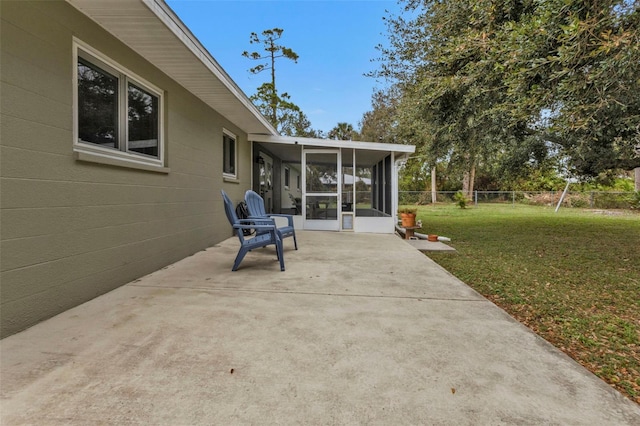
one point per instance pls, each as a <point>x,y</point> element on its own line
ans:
<point>588,199</point>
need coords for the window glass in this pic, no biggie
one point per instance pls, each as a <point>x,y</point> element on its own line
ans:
<point>97,105</point>
<point>143,121</point>
<point>229,154</point>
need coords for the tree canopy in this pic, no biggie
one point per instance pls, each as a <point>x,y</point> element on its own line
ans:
<point>343,132</point>
<point>515,82</point>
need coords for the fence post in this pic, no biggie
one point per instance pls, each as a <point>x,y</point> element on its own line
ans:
<point>513,198</point>
<point>566,188</point>
<point>476,197</point>
<point>591,200</point>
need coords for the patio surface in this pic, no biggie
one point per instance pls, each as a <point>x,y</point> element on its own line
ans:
<point>360,329</point>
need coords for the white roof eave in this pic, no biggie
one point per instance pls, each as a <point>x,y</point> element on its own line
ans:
<point>166,42</point>
<point>332,143</point>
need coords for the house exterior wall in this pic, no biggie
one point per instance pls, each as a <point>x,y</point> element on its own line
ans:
<point>72,230</point>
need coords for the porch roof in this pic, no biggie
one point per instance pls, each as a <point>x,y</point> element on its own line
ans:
<point>374,151</point>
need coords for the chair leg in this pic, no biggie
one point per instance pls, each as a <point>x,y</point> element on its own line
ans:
<point>295,242</point>
<point>241,254</point>
<point>280,253</point>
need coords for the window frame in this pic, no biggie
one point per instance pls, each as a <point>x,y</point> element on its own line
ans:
<point>234,138</point>
<point>121,155</point>
<point>287,177</point>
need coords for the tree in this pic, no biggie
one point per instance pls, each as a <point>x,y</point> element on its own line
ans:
<point>343,132</point>
<point>483,81</point>
<point>289,119</point>
<point>283,114</point>
<point>297,124</point>
<point>380,124</point>
<point>579,73</point>
<point>274,51</point>
<point>442,64</point>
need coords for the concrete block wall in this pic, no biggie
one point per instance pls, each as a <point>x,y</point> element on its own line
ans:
<point>72,230</point>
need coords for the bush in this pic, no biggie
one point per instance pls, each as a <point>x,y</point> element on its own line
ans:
<point>577,200</point>
<point>461,200</point>
<point>635,200</point>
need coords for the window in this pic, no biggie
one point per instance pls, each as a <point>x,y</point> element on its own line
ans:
<point>118,115</point>
<point>229,154</point>
<point>287,174</point>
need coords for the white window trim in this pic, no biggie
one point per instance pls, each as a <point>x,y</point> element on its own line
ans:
<point>231,176</point>
<point>99,154</point>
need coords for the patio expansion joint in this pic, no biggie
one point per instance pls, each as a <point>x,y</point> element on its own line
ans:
<point>311,293</point>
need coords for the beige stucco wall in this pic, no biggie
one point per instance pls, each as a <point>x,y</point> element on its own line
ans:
<point>73,230</point>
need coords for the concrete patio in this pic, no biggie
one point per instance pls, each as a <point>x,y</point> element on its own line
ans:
<point>360,329</point>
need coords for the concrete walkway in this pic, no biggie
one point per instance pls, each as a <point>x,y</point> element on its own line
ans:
<point>360,329</point>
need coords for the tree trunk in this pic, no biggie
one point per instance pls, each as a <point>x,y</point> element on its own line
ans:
<point>470,174</point>
<point>274,93</point>
<point>472,180</point>
<point>467,181</point>
<point>637,169</point>
<point>434,192</point>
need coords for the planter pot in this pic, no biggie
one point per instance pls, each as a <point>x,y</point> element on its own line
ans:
<point>408,219</point>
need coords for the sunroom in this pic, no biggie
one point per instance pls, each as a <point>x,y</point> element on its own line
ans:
<point>329,185</point>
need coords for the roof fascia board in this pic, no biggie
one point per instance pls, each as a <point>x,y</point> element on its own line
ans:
<point>331,143</point>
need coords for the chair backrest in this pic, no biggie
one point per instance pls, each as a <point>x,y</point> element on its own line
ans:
<point>255,203</point>
<point>228,208</point>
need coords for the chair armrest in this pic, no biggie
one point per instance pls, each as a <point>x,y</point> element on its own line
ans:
<point>271,215</point>
<point>267,227</point>
<point>258,221</point>
<point>288,216</point>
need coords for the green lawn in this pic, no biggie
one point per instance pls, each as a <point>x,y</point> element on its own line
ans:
<point>572,276</point>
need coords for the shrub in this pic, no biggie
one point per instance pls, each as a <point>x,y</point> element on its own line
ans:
<point>635,200</point>
<point>408,210</point>
<point>461,200</point>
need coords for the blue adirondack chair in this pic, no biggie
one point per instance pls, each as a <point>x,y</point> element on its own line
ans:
<point>255,204</point>
<point>266,233</point>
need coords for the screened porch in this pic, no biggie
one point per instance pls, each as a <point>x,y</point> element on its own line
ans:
<point>329,184</point>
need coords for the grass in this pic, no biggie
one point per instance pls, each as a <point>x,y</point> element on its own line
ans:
<point>573,277</point>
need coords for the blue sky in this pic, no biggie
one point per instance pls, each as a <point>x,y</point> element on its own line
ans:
<point>335,39</point>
